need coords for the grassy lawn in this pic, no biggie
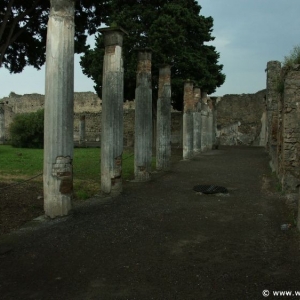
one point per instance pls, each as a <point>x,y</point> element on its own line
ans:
<point>17,164</point>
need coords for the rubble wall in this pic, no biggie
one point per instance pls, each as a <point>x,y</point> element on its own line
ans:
<point>289,115</point>
<point>241,119</point>
<point>89,105</point>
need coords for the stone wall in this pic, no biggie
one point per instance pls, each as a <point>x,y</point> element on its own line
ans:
<point>241,119</point>
<point>287,158</point>
<point>85,104</point>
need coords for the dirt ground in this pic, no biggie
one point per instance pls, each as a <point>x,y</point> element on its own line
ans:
<point>161,240</point>
<point>19,204</point>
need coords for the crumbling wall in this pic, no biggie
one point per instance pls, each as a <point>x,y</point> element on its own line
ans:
<point>89,105</point>
<point>240,119</point>
<point>288,152</point>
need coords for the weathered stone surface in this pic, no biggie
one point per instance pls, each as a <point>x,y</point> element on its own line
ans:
<point>58,136</point>
<point>241,119</point>
<point>82,130</point>
<point>188,132</point>
<point>163,127</point>
<point>272,100</point>
<point>143,118</point>
<point>89,105</point>
<point>197,121</point>
<point>112,111</point>
<point>288,150</point>
<point>2,123</point>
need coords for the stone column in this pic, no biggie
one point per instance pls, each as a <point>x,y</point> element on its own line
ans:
<point>143,117</point>
<point>2,124</point>
<point>112,111</point>
<point>204,122</point>
<point>59,87</point>
<point>210,128</point>
<point>273,97</point>
<point>188,99</point>
<point>82,130</point>
<point>163,142</point>
<point>215,144</point>
<point>197,121</point>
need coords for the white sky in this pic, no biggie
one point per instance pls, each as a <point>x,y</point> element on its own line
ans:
<point>248,34</point>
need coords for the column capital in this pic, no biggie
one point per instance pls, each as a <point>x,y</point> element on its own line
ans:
<point>113,36</point>
<point>63,8</point>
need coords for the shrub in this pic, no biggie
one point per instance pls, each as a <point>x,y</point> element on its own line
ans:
<point>27,130</point>
<point>293,58</point>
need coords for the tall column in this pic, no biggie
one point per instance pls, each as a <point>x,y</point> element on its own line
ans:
<point>197,121</point>
<point>143,117</point>
<point>210,128</point>
<point>188,99</point>
<point>59,88</point>
<point>112,111</point>
<point>82,130</point>
<point>204,122</point>
<point>215,144</point>
<point>2,124</point>
<point>163,144</point>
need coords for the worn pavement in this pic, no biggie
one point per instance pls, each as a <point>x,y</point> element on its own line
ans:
<point>162,240</point>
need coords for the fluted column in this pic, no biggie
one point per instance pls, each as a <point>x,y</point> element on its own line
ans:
<point>59,88</point>
<point>163,144</point>
<point>188,134</point>
<point>112,111</point>
<point>204,122</point>
<point>82,130</point>
<point>210,127</point>
<point>197,121</point>
<point>143,117</point>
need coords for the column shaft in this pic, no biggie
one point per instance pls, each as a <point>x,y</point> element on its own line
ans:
<point>197,121</point>
<point>112,111</point>
<point>58,136</point>
<point>188,120</point>
<point>163,144</point>
<point>82,130</point>
<point>143,118</point>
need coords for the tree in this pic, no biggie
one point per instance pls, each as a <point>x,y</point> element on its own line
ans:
<point>23,30</point>
<point>175,31</point>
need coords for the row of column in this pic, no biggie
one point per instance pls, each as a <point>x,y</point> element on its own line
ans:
<point>199,132</point>
<point>58,144</point>
<point>59,89</point>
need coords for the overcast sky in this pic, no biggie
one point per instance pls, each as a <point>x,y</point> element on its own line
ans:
<point>248,34</point>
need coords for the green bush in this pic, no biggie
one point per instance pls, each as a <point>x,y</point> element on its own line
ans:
<point>27,130</point>
<point>293,58</point>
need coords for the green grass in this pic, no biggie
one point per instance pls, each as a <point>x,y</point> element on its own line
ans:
<point>20,161</point>
<point>18,164</point>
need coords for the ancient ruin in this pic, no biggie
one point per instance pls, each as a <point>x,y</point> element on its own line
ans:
<point>188,127</point>
<point>269,118</point>
<point>283,128</point>
<point>143,117</point>
<point>82,130</point>
<point>205,110</point>
<point>58,136</point>
<point>163,127</point>
<point>197,121</point>
<point>2,124</point>
<point>112,111</point>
